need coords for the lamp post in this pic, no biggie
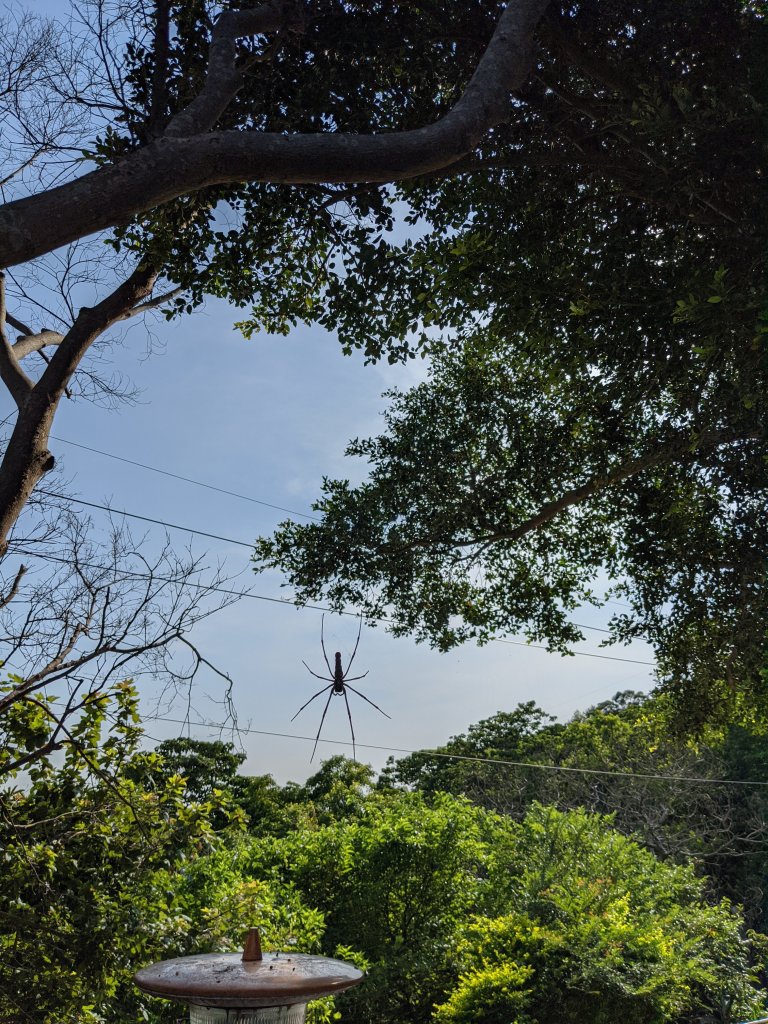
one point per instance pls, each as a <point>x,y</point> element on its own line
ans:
<point>248,988</point>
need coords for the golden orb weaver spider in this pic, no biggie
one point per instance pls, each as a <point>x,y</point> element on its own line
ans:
<point>339,684</point>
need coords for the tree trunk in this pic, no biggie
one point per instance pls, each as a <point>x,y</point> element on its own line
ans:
<point>25,462</point>
<point>27,458</point>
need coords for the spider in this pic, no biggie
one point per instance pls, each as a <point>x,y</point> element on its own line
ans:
<point>339,681</point>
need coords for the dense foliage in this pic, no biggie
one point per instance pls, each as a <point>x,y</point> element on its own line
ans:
<point>98,877</point>
<point>595,408</point>
<point>458,913</point>
<point>591,929</point>
<point>636,137</point>
<point>719,828</point>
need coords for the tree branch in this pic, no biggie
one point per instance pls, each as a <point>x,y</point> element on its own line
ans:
<point>90,324</point>
<point>224,77</point>
<point>7,598</point>
<point>60,727</point>
<point>17,324</point>
<point>14,378</point>
<point>160,71</point>
<point>23,166</point>
<point>667,452</point>
<point>559,34</point>
<point>28,343</point>
<point>171,166</point>
<point>26,458</point>
<point>154,303</point>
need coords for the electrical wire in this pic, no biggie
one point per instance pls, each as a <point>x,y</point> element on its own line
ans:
<point>301,607</point>
<point>245,544</point>
<point>646,776</point>
<point>584,654</point>
<point>147,519</point>
<point>185,479</point>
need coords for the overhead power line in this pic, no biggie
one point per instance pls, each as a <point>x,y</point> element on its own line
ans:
<point>645,776</point>
<point>232,494</point>
<point>583,654</point>
<point>299,607</point>
<point>185,479</point>
<point>250,546</point>
<point>147,519</point>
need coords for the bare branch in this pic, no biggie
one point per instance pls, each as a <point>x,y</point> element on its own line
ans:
<point>150,304</point>
<point>36,342</point>
<point>91,614</point>
<point>18,325</point>
<point>22,166</point>
<point>26,458</point>
<point>201,660</point>
<point>7,598</point>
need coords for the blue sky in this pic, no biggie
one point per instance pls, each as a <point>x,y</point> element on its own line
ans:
<point>268,418</point>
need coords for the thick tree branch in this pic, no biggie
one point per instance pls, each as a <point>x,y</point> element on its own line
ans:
<point>667,452</point>
<point>169,167</point>
<point>28,343</point>
<point>89,325</point>
<point>224,77</point>
<point>26,458</point>
<point>11,373</point>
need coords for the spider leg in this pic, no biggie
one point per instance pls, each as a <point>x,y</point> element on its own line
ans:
<point>357,677</point>
<point>322,644</point>
<point>359,631</point>
<point>312,698</point>
<point>306,666</point>
<point>369,701</point>
<point>351,727</point>
<point>317,738</point>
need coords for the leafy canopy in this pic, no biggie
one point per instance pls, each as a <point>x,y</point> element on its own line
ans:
<point>506,490</point>
<point>466,916</point>
<point>590,287</point>
<point>718,829</point>
<point>596,929</point>
<point>631,158</point>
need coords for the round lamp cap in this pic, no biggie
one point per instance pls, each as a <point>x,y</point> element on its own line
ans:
<point>226,979</point>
